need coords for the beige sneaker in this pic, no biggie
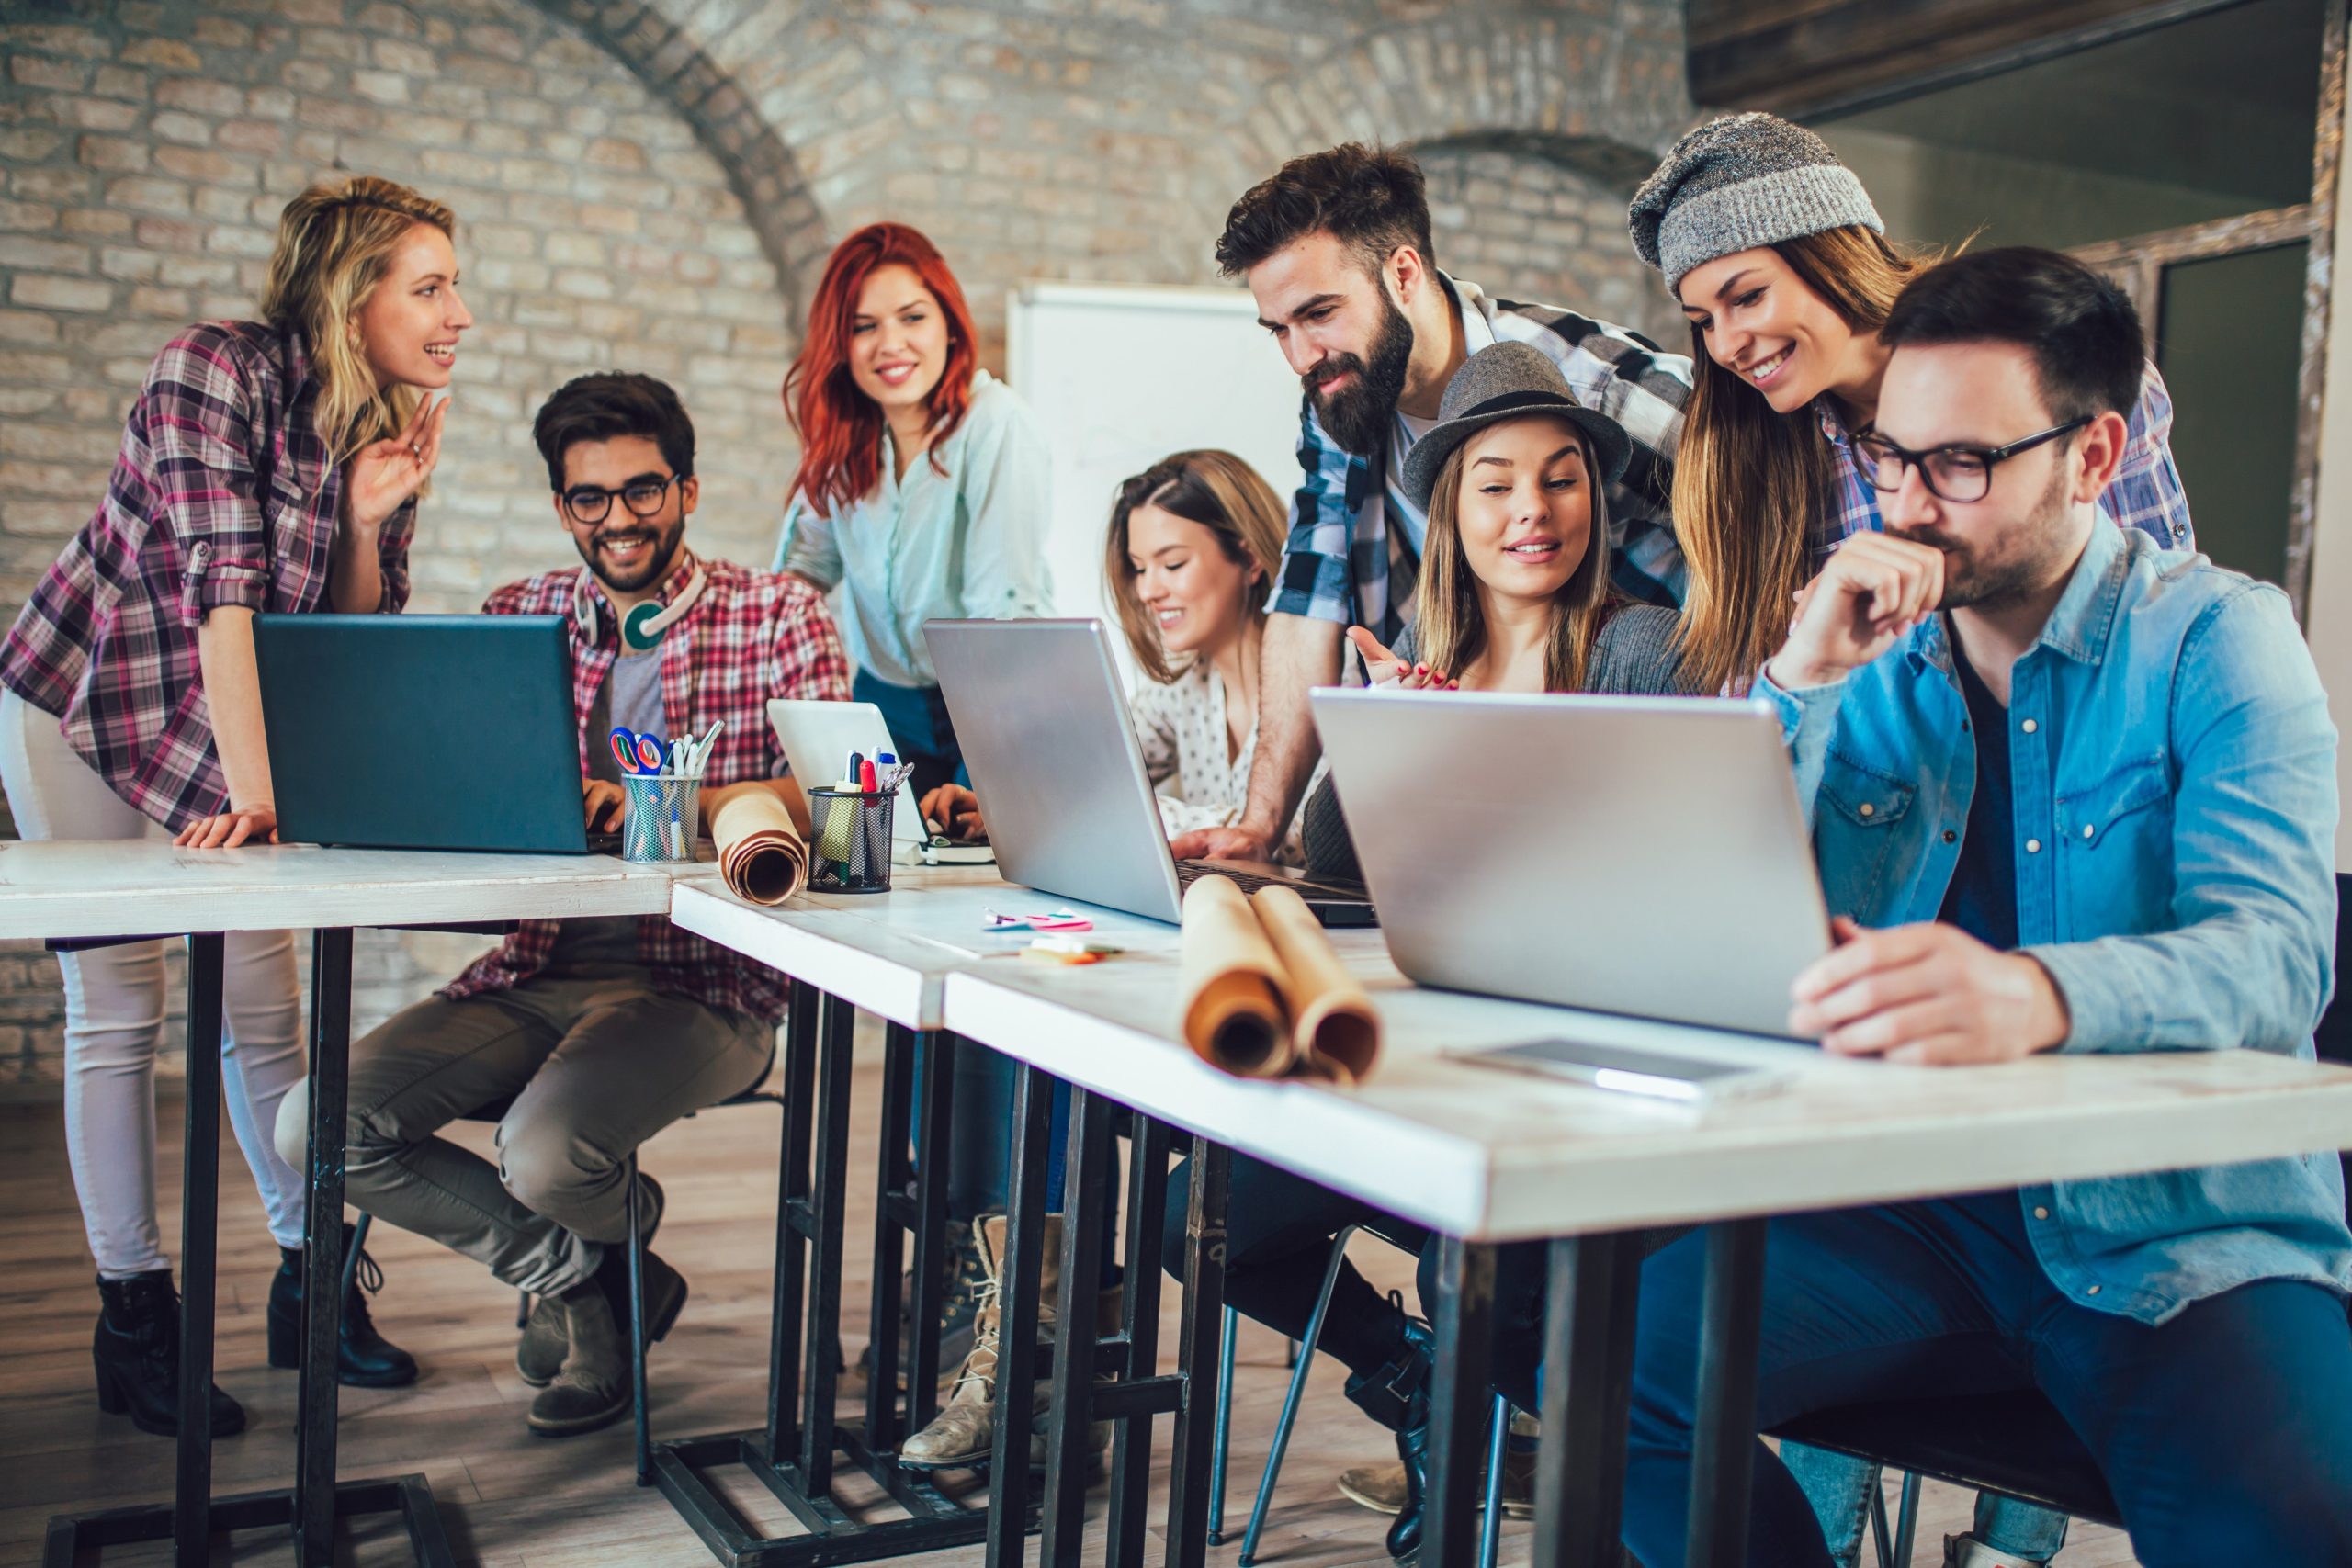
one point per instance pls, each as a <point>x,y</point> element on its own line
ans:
<point>963,1434</point>
<point>1381,1487</point>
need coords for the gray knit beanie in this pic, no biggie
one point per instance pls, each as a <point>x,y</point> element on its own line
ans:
<point>1738,183</point>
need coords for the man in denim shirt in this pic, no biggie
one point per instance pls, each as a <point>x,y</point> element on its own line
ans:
<point>2075,793</point>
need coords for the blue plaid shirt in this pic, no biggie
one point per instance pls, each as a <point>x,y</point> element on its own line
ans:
<point>1353,554</point>
<point>2145,493</point>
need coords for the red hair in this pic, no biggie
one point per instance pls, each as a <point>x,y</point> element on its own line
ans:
<point>841,427</point>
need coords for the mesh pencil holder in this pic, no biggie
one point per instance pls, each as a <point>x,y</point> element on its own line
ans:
<point>663,821</point>
<point>849,840</point>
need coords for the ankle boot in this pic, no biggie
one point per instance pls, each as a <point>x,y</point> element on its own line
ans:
<point>593,1389</point>
<point>137,1354</point>
<point>364,1359</point>
<point>1397,1396</point>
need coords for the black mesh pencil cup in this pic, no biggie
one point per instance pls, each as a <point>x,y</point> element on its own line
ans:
<point>849,840</point>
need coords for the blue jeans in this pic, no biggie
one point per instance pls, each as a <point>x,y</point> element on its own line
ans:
<point>2224,1434</point>
<point>1840,1487</point>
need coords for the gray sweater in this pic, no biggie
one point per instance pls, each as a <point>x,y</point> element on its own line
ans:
<point>1634,657</point>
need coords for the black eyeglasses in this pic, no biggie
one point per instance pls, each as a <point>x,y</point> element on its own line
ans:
<point>644,497</point>
<point>1960,474</point>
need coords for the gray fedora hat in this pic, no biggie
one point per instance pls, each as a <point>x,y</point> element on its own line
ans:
<point>1509,380</point>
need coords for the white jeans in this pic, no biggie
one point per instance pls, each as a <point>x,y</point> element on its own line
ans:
<point>114,1021</point>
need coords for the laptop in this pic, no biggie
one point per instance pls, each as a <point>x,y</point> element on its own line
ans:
<point>817,738</point>
<point>1622,854</point>
<point>424,732</point>
<point>1043,722</point>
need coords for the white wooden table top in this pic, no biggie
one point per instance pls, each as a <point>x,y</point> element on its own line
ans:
<point>145,887</point>
<point>890,953</point>
<point>1494,1155</point>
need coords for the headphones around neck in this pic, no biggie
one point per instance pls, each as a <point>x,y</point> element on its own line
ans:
<point>642,626</point>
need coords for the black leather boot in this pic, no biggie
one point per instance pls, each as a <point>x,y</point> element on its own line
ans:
<point>137,1354</point>
<point>1397,1396</point>
<point>364,1359</point>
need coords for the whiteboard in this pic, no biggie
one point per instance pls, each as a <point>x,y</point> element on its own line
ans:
<point>1121,375</point>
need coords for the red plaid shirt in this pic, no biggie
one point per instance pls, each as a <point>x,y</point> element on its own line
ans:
<point>751,636</point>
<point>223,494</point>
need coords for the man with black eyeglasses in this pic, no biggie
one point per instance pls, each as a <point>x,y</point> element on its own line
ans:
<point>600,1031</point>
<point>2071,793</point>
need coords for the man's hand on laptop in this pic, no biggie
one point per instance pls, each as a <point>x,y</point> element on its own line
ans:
<point>601,799</point>
<point>1874,590</point>
<point>227,829</point>
<point>1383,669</point>
<point>957,812</point>
<point>1929,994</point>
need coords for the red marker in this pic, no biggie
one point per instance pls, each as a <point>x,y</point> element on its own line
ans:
<point>866,779</point>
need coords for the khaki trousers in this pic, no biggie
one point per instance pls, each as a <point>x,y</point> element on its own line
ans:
<point>595,1067</point>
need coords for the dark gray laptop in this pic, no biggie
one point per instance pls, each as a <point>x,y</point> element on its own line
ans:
<point>1043,723</point>
<point>421,732</point>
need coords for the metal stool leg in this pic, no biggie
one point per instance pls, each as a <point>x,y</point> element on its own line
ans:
<point>1490,1533</point>
<point>1906,1519</point>
<point>637,1327</point>
<point>1291,1397</point>
<point>1880,1535</point>
<point>1221,1445</point>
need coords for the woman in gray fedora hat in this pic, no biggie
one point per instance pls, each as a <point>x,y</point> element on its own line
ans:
<point>1513,595</point>
<point>1783,266</point>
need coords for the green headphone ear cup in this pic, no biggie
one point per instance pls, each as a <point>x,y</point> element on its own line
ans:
<point>637,628</point>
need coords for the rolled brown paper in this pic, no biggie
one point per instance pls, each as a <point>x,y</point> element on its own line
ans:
<point>1335,1030</point>
<point>760,854</point>
<point>1234,1017</point>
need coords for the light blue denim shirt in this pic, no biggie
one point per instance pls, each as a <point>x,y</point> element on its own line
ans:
<point>969,543</point>
<point>2173,769</point>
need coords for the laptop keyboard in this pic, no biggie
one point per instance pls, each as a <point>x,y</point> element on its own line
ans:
<point>1190,871</point>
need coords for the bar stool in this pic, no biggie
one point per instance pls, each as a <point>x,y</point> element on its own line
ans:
<point>1302,1358</point>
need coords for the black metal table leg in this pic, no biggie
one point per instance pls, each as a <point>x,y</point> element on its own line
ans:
<point>929,1303</point>
<point>795,1455</point>
<point>1458,1400</point>
<point>892,1181</point>
<point>1730,1335</point>
<point>1588,1389</point>
<point>316,1500</point>
<point>1086,1211</point>
<point>1139,1328</point>
<point>1197,1357</point>
<point>1016,1365</point>
<point>199,1254</point>
<point>317,1396</point>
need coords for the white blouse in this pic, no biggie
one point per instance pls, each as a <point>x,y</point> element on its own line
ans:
<point>1183,728</point>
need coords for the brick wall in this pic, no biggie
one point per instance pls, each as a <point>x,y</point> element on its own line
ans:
<point>655,185</point>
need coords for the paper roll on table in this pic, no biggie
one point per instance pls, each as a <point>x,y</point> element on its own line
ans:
<point>760,854</point>
<point>1266,996</point>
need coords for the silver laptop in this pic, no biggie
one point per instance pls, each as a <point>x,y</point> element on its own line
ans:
<point>1043,722</point>
<point>1626,855</point>
<point>817,738</point>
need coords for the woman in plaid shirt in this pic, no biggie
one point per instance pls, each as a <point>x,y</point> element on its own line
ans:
<point>268,464</point>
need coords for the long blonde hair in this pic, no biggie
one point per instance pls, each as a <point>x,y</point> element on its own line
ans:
<point>333,241</point>
<point>1220,493</point>
<point>1748,481</point>
<point>1449,617</point>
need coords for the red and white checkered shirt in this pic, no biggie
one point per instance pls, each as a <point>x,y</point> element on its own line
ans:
<point>752,635</point>
<point>223,494</point>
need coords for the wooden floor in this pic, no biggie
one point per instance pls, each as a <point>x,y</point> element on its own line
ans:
<point>511,1499</point>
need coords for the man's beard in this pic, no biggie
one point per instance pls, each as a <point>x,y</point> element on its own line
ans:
<point>657,562</point>
<point>1357,416</point>
<point>1975,582</point>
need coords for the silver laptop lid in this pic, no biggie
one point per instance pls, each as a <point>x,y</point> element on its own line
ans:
<point>1043,723</point>
<point>1626,855</point>
<point>818,735</point>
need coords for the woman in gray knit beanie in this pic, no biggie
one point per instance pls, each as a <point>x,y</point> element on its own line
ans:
<point>1782,266</point>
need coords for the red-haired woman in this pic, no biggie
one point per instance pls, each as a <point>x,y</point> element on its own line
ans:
<point>924,487</point>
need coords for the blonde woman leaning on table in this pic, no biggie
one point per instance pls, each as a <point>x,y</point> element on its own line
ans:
<point>266,465</point>
<point>1194,541</point>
